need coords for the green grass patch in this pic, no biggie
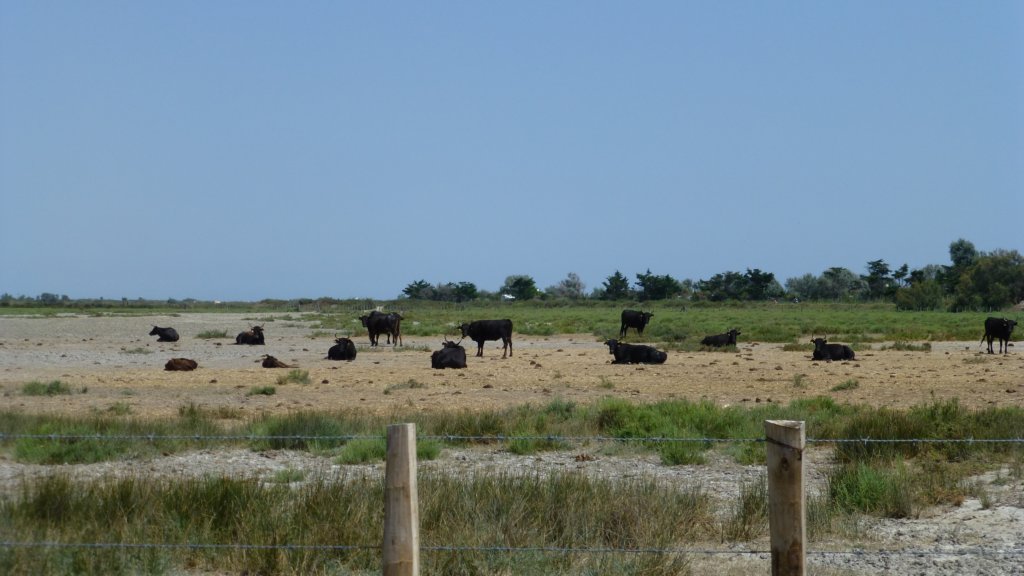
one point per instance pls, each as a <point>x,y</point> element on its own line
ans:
<point>861,487</point>
<point>289,475</point>
<point>261,391</point>
<point>296,376</point>
<point>561,510</point>
<point>903,346</point>
<point>52,388</point>
<point>137,350</point>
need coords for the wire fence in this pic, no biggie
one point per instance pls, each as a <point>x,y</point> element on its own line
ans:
<point>1013,553</point>
<point>492,439</point>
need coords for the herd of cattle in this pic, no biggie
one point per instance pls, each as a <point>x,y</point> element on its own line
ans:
<point>453,355</point>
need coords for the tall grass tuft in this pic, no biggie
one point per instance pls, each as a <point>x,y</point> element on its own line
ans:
<point>297,376</point>
<point>562,510</point>
<point>37,388</point>
<point>748,518</point>
<point>869,489</point>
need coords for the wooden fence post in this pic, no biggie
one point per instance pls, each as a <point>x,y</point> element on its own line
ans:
<point>787,509</point>
<point>401,504</point>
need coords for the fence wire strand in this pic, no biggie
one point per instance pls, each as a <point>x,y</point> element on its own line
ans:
<point>492,438</point>
<point>964,551</point>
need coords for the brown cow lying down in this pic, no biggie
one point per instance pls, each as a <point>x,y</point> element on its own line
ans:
<point>181,364</point>
<point>271,362</point>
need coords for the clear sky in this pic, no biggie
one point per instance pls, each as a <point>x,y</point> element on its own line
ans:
<point>240,150</point>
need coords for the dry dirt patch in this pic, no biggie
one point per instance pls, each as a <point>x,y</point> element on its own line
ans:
<point>115,362</point>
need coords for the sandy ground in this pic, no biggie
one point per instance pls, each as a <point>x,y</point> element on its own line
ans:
<point>114,361</point>
<point>111,362</point>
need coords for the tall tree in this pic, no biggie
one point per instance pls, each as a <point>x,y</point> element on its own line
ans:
<point>761,285</point>
<point>571,287</point>
<point>616,287</point>
<point>878,279</point>
<point>991,282</point>
<point>520,286</point>
<point>962,254</point>
<point>418,290</point>
<point>654,287</point>
<point>839,283</point>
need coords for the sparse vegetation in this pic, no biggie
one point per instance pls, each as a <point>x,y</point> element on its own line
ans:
<point>294,376</point>
<point>213,334</point>
<point>904,346</point>
<point>409,384</point>
<point>137,350</point>
<point>52,388</point>
<point>876,478</point>
<point>850,384</point>
<point>261,391</point>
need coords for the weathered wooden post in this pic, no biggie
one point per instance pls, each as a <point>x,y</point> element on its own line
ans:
<point>401,504</point>
<point>787,509</point>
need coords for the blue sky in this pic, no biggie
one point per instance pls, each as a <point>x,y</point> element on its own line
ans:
<point>241,150</point>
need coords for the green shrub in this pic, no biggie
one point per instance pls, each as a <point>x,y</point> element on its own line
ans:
<point>869,489</point>
<point>53,388</point>
<point>296,376</point>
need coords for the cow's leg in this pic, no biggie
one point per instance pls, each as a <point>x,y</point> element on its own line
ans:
<point>480,348</point>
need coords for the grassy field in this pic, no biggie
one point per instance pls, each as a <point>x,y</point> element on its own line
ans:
<point>673,321</point>
<point>561,510</point>
<point>493,510</point>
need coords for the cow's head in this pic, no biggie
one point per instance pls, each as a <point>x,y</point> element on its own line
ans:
<point>464,328</point>
<point>612,345</point>
<point>155,331</point>
<point>819,343</point>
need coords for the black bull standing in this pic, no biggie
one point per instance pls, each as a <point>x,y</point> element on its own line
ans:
<point>481,331</point>
<point>1000,328</point>
<point>634,319</point>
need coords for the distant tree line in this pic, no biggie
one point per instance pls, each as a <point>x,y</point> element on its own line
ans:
<point>973,281</point>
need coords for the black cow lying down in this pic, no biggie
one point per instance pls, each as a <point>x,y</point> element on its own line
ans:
<point>719,340</point>
<point>452,355</point>
<point>253,336</point>
<point>343,349</point>
<point>271,362</point>
<point>828,352</point>
<point>183,364</point>
<point>164,334</point>
<point>635,353</point>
